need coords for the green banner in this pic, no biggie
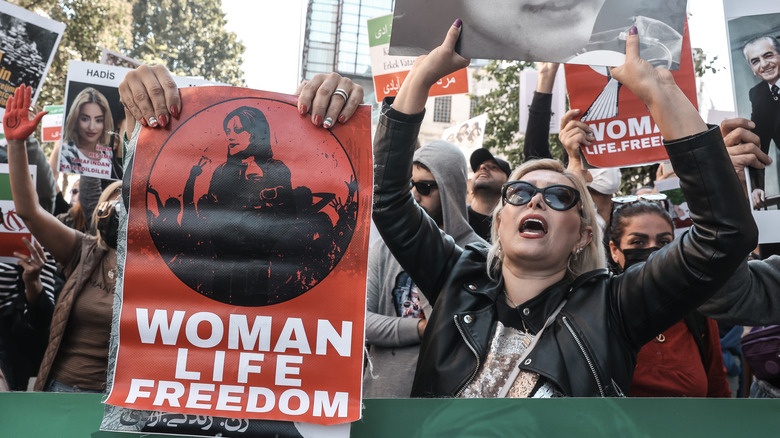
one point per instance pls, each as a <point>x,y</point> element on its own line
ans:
<point>5,187</point>
<point>54,109</point>
<point>379,30</point>
<point>79,415</point>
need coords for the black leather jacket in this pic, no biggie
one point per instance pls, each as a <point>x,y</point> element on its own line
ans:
<point>590,349</point>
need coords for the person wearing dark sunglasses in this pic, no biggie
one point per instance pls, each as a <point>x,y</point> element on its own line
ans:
<point>536,314</point>
<point>396,312</point>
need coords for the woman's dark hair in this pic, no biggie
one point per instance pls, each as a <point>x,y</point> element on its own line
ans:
<point>253,121</point>
<point>621,213</point>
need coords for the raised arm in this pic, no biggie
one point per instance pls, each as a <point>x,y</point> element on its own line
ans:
<point>674,114</point>
<point>56,237</point>
<point>410,234</point>
<point>537,133</point>
<point>685,273</point>
<point>46,187</point>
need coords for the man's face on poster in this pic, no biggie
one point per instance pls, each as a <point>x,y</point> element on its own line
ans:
<point>764,60</point>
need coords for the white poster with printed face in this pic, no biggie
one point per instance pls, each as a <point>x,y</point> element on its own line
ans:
<point>754,49</point>
<point>94,116</point>
<point>590,32</point>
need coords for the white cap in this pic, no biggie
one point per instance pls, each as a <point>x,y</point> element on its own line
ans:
<point>605,181</point>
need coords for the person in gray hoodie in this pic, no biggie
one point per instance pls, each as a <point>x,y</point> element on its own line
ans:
<point>396,311</point>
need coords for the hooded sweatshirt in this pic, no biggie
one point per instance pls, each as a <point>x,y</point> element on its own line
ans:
<point>393,340</point>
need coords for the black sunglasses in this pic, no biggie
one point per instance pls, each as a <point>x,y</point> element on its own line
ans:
<point>558,197</point>
<point>424,187</point>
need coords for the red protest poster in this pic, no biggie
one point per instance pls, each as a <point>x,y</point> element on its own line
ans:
<point>388,84</point>
<point>625,133</point>
<point>244,283</point>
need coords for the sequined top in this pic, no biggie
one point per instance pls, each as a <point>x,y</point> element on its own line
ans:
<point>506,347</point>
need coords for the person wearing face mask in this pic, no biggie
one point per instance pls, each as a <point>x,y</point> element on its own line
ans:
<point>76,356</point>
<point>536,314</point>
<point>684,360</point>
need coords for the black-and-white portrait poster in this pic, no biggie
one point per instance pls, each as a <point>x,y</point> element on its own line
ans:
<point>589,32</point>
<point>27,46</point>
<point>754,32</point>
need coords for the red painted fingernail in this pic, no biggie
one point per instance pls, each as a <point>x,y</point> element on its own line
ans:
<point>303,110</point>
<point>457,22</point>
<point>317,120</point>
<point>174,111</point>
<point>342,118</point>
<point>633,30</point>
<point>143,121</point>
<point>163,120</point>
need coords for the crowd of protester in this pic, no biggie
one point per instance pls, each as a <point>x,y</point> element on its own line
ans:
<point>545,285</point>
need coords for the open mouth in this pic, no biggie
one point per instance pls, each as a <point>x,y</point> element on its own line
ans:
<point>550,6</point>
<point>533,226</point>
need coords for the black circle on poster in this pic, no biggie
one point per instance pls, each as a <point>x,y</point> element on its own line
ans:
<point>265,210</point>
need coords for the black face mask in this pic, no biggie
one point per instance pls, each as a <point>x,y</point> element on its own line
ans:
<point>637,255</point>
<point>108,227</point>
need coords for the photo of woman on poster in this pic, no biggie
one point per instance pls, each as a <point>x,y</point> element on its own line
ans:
<point>591,32</point>
<point>87,143</point>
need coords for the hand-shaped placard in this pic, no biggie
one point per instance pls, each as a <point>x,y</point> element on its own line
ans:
<point>17,124</point>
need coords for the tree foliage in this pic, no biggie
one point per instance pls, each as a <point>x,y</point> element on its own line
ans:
<point>90,26</point>
<point>189,37</point>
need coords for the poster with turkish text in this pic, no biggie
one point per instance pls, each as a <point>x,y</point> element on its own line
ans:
<point>625,133</point>
<point>93,120</point>
<point>754,49</point>
<point>245,269</point>
<point>390,71</point>
<point>28,43</point>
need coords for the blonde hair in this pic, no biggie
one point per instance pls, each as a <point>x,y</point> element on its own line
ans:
<point>110,191</point>
<point>88,95</point>
<point>592,256</point>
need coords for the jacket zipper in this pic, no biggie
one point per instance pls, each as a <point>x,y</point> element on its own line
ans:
<point>584,353</point>
<point>476,370</point>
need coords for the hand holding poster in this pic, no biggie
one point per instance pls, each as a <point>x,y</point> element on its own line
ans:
<point>94,117</point>
<point>573,31</point>
<point>625,133</point>
<point>390,71</point>
<point>246,263</point>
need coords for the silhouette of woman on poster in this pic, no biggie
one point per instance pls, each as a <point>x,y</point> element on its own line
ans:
<point>251,240</point>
